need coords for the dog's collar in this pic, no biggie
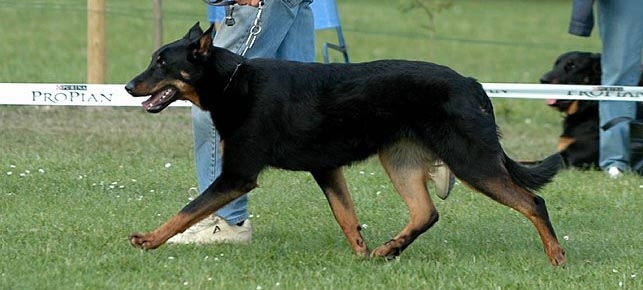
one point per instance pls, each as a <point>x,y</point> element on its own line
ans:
<point>232,76</point>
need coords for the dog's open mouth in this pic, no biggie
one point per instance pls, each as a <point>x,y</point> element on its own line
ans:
<point>160,100</point>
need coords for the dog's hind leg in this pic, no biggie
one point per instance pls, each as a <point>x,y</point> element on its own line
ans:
<point>333,185</point>
<point>407,165</point>
<point>505,191</point>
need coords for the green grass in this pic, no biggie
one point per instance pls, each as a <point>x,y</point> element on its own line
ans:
<point>74,182</point>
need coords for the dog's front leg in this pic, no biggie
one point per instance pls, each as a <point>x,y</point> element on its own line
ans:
<point>333,185</point>
<point>215,197</point>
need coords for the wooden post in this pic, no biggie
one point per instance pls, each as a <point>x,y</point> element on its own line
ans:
<point>96,41</point>
<point>158,23</point>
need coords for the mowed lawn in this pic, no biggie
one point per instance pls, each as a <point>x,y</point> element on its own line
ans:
<point>74,182</point>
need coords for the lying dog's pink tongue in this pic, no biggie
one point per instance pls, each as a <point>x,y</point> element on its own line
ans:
<point>160,100</point>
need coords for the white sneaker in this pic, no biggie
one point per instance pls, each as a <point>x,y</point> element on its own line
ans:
<point>443,179</point>
<point>614,172</point>
<point>215,230</point>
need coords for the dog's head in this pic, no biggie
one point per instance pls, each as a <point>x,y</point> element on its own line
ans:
<point>173,72</point>
<point>574,68</point>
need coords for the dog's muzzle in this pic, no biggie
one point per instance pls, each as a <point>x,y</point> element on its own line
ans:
<point>158,100</point>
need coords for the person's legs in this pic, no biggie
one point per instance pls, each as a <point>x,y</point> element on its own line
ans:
<point>284,23</point>
<point>621,30</point>
<point>299,42</point>
<point>279,22</point>
<point>208,163</point>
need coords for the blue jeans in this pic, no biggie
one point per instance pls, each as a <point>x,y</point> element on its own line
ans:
<point>287,33</point>
<point>620,24</point>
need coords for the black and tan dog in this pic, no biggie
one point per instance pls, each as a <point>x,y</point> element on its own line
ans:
<point>321,117</point>
<point>578,143</point>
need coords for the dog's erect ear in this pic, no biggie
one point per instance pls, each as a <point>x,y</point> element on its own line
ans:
<point>194,33</point>
<point>201,46</point>
<point>205,41</point>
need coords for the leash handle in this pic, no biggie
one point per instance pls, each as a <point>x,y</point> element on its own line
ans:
<point>220,2</point>
<point>224,2</point>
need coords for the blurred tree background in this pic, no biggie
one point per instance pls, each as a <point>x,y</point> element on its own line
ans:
<point>430,7</point>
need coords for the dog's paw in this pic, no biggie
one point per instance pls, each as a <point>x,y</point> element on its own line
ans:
<point>143,241</point>
<point>389,251</point>
<point>556,256</point>
<point>363,255</point>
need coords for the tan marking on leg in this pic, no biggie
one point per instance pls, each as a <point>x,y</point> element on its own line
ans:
<point>333,185</point>
<point>531,206</point>
<point>564,142</point>
<point>195,211</point>
<point>407,165</point>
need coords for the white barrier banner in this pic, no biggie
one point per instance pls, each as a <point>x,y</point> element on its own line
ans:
<point>116,96</point>
<point>69,95</point>
<point>567,92</point>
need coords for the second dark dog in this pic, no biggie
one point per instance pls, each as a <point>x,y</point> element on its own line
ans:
<point>320,117</point>
<point>578,143</point>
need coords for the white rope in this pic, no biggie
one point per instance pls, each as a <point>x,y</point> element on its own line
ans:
<point>115,95</point>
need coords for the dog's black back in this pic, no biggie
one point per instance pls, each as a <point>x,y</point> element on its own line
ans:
<point>367,108</point>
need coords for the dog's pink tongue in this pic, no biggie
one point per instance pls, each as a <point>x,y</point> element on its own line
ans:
<point>157,102</point>
<point>551,102</point>
<point>150,102</point>
<point>154,103</point>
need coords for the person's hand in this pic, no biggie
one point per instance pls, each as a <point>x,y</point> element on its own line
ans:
<point>254,3</point>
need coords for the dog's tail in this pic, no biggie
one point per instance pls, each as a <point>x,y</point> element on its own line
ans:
<point>534,178</point>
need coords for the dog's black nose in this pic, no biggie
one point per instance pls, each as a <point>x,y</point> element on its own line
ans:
<point>129,87</point>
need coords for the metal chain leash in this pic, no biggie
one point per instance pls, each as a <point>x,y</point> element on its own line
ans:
<point>255,29</point>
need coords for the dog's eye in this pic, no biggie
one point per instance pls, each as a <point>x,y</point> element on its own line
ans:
<point>570,65</point>
<point>160,62</point>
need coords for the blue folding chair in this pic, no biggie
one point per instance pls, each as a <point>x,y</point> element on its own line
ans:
<point>326,17</point>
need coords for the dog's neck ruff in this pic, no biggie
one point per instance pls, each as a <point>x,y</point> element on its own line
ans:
<point>232,76</point>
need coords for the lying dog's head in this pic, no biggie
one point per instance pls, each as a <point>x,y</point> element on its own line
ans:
<point>174,69</point>
<point>574,68</point>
